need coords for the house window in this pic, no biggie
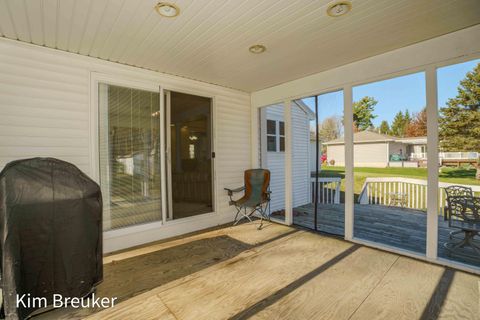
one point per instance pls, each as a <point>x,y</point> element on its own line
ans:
<point>275,136</point>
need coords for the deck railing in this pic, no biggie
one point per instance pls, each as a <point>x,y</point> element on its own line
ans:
<point>446,156</point>
<point>403,192</point>
<point>458,155</point>
<point>418,156</point>
<point>328,190</point>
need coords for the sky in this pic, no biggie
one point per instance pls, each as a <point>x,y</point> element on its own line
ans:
<point>393,95</point>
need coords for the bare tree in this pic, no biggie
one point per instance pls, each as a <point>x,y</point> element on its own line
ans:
<point>330,129</point>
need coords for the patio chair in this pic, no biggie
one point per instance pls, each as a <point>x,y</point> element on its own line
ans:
<point>455,191</point>
<point>256,196</point>
<point>464,214</point>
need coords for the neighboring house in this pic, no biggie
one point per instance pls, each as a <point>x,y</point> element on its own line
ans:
<point>373,149</point>
<point>273,152</point>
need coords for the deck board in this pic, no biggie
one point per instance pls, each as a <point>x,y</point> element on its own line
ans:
<point>278,272</point>
<point>402,228</point>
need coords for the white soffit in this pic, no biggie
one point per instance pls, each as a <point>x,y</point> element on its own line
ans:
<point>209,40</point>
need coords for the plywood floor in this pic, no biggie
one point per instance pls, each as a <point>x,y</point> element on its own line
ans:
<point>277,273</point>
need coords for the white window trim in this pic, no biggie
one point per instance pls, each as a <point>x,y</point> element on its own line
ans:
<point>277,135</point>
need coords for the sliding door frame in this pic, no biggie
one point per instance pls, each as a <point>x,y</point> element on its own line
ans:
<point>167,153</point>
<point>136,231</point>
<point>95,80</point>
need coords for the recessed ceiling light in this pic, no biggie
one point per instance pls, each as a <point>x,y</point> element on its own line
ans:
<point>167,10</point>
<point>257,48</point>
<point>339,8</point>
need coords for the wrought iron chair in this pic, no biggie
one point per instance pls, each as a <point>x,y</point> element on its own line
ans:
<point>464,214</point>
<point>256,197</point>
<point>455,191</point>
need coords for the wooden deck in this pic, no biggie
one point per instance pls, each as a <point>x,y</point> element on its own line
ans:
<point>398,227</point>
<point>278,272</point>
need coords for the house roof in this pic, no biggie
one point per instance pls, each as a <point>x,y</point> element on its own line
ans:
<point>364,136</point>
<point>371,136</point>
<point>305,108</point>
<point>413,140</point>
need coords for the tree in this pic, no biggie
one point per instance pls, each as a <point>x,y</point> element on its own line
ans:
<point>363,113</point>
<point>460,118</point>
<point>398,125</point>
<point>330,129</point>
<point>406,121</point>
<point>384,127</point>
<point>417,127</point>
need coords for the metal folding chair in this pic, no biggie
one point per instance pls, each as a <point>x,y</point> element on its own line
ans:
<point>256,198</point>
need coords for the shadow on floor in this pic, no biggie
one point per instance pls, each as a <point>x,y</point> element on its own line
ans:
<point>129,277</point>
<point>437,300</point>
<point>279,294</point>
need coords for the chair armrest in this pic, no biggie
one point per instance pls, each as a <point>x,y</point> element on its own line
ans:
<point>268,194</point>
<point>232,191</point>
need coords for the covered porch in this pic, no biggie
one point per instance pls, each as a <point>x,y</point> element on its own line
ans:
<point>281,272</point>
<point>165,105</point>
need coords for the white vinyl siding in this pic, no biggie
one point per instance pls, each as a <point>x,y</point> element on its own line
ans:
<point>370,154</point>
<point>300,157</point>
<point>45,111</point>
<point>275,161</point>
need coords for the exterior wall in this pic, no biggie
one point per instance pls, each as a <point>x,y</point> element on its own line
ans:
<point>45,108</point>
<point>364,154</point>
<point>337,153</point>
<point>313,154</point>
<point>300,157</point>
<point>370,155</point>
<point>275,161</point>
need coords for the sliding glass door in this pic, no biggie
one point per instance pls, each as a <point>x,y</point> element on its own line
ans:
<point>129,147</point>
<point>189,154</point>
<point>134,136</point>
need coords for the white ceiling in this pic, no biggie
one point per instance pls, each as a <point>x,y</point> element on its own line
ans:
<point>209,40</point>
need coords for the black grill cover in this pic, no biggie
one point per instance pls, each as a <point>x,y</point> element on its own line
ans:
<point>51,232</point>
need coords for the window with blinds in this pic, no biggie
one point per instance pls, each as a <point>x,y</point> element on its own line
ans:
<point>129,146</point>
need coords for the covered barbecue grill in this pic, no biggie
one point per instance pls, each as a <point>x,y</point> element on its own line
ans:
<point>51,232</point>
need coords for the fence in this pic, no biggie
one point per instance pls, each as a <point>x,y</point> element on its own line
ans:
<point>446,156</point>
<point>458,155</point>
<point>328,190</point>
<point>404,192</point>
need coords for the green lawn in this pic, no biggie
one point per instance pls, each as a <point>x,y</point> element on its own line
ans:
<point>450,175</point>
